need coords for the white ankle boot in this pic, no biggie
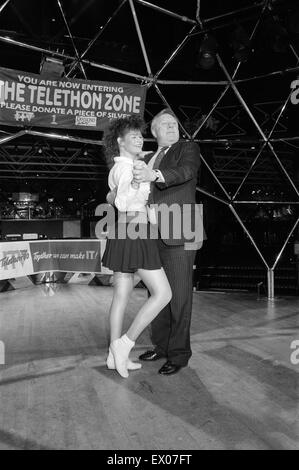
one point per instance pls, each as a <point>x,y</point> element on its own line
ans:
<point>110,363</point>
<point>120,349</point>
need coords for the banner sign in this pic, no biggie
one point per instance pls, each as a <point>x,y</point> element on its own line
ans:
<point>63,256</point>
<point>19,259</point>
<point>28,99</point>
<point>15,260</point>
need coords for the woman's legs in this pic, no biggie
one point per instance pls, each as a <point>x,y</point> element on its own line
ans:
<point>123,284</point>
<point>159,288</point>
<point>137,279</point>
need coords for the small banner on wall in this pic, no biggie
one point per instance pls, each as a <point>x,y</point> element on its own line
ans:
<point>19,259</point>
<point>28,99</point>
<point>62,256</point>
<point>15,260</point>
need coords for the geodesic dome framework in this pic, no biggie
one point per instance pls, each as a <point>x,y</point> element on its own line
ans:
<point>241,108</point>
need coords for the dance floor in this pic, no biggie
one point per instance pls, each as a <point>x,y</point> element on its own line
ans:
<point>240,391</point>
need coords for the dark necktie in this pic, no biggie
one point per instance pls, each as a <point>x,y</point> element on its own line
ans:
<point>155,167</point>
<point>159,157</point>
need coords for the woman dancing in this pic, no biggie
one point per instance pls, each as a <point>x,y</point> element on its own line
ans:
<point>126,255</point>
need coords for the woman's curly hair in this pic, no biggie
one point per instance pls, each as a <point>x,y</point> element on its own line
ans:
<point>118,128</point>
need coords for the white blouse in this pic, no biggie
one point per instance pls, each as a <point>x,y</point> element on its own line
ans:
<point>127,198</point>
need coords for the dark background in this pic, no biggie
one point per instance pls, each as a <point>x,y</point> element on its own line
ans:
<point>229,140</point>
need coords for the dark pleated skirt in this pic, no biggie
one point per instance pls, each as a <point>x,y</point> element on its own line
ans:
<point>127,256</point>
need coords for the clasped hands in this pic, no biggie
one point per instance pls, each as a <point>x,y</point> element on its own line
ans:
<point>142,173</point>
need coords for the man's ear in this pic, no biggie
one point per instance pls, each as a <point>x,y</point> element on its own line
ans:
<point>154,133</point>
<point>118,140</point>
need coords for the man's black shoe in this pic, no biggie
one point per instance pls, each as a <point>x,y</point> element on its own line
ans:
<point>150,356</point>
<point>169,368</point>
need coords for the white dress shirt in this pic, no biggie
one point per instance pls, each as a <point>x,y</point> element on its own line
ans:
<point>127,198</point>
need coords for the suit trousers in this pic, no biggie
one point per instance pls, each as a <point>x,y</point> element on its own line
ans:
<point>171,328</point>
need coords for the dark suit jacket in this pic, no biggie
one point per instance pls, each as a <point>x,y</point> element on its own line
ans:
<point>180,169</point>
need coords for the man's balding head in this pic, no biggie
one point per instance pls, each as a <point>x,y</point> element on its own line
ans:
<point>164,128</point>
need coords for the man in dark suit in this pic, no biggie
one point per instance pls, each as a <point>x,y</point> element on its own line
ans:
<point>173,172</point>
